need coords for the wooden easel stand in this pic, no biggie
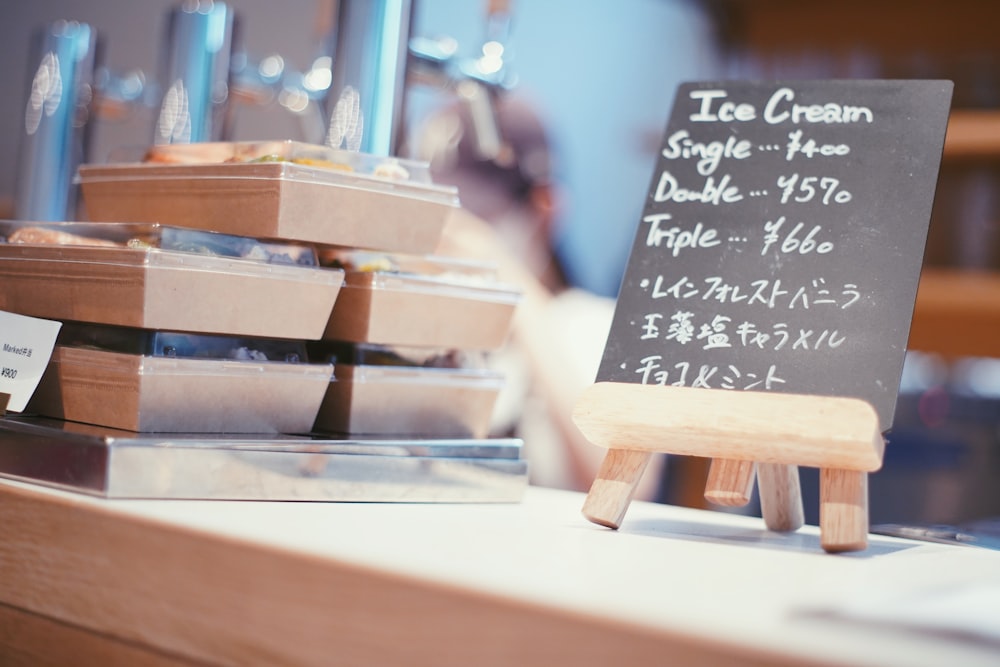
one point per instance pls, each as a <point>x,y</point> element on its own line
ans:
<point>749,434</point>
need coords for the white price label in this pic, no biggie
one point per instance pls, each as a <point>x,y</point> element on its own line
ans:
<point>26,345</point>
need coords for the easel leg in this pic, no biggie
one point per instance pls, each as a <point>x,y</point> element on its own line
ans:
<point>614,486</point>
<point>843,510</point>
<point>730,482</point>
<point>780,496</point>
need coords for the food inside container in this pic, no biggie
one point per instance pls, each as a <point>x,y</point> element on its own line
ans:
<point>179,345</point>
<point>411,301</point>
<point>160,277</point>
<point>276,189</point>
<point>143,236</point>
<point>294,152</point>
<point>383,390</point>
<point>173,382</point>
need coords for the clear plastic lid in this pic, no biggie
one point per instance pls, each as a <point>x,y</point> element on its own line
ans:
<point>304,162</point>
<point>296,152</point>
<point>367,354</point>
<point>429,271</point>
<point>152,235</point>
<point>180,345</point>
<point>420,378</point>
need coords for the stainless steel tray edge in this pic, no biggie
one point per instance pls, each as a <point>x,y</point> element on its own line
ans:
<point>119,464</point>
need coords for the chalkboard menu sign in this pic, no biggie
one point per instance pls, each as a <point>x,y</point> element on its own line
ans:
<point>782,238</point>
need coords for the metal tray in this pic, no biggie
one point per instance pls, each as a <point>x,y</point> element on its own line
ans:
<point>121,464</point>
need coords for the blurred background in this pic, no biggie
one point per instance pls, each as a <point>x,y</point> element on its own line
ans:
<point>599,77</point>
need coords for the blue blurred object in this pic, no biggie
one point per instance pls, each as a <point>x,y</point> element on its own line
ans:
<point>196,73</point>
<point>369,67</point>
<point>55,120</point>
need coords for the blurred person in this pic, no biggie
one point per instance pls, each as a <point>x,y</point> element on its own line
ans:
<point>506,179</point>
<point>510,213</point>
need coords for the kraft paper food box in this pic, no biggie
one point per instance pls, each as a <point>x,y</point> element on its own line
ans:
<point>160,277</point>
<point>419,301</point>
<point>281,190</point>
<point>379,390</point>
<point>170,382</point>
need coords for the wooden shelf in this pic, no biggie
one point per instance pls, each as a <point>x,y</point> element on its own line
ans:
<point>884,39</point>
<point>957,313</point>
<point>973,134</point>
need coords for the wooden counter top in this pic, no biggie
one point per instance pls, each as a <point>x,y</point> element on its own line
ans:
<point>532,583</point>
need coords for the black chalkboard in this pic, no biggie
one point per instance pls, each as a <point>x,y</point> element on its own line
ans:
<point>782,238</point>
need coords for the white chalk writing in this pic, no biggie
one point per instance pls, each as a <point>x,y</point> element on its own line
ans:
<point>652,370</point>
<point>680,146</point>
<point>676,239</point>
<point>714,107</point>
<point>765,292</point>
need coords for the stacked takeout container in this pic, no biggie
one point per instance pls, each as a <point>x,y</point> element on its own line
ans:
<point>266,287</point>
<point>407,335</point>
<point>171,330</point>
